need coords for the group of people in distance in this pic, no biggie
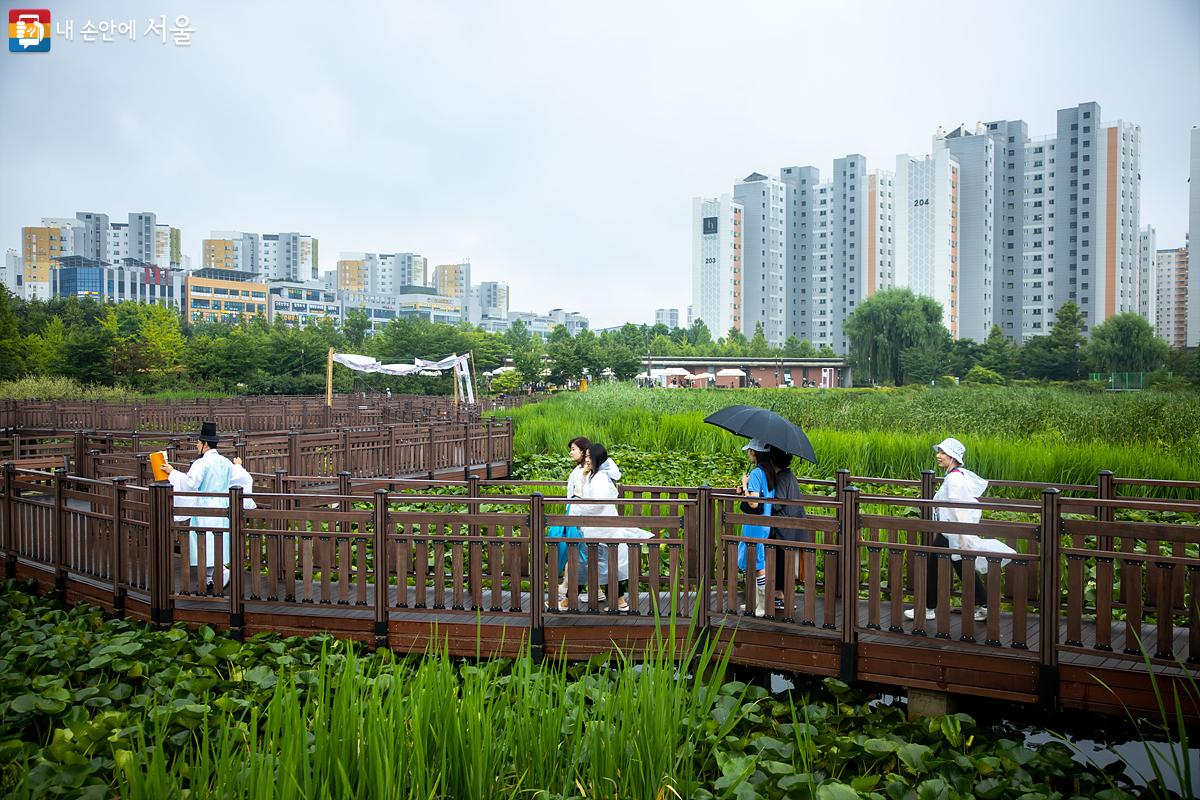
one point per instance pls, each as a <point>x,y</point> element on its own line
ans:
<point>593,481</point>
<point>769,478</point>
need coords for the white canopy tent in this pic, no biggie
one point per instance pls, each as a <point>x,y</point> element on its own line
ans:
<point>460,365</point>
<point>733,372</point>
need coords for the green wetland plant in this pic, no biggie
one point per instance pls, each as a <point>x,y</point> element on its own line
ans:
<point>174,714</point>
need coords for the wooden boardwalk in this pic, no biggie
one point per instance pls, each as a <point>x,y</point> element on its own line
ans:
<point>479,568</point>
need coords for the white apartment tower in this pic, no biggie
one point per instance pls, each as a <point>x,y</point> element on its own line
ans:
<point>1172,296</point>
<point>1148,275</point>
<point>974,228</point>
<point>1097,188</point>
<point>927,236</point>
<point>764,211</point>
<point>717,238</point>
<point>289,257</point>
<point>667,316</point>
<point>840,246</point>
<point>1067,220</point>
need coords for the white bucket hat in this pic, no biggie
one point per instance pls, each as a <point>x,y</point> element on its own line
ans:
<point>756,444</point>
<point>953,448</point>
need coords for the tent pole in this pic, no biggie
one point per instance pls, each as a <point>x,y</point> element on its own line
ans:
<point>329,379</point>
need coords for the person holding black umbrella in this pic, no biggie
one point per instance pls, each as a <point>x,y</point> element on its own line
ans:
<point>759,482</point>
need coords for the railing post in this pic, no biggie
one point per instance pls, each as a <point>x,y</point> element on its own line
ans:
<point>237,556</point>
<point>391,458</point>
<point>490,449</point>
<point>381,569</point>
<point>162,573</point>
<point>79,459</point>
<point>10,521</point>
<point>1050,530</point>
<point>344,454</point>
<point>117,555</point>
<point>431,453</point>
<point>704,542</point>
<point>143,468</point>
<point>850,579</point>
<point>927,492</point>
<point>293,466</point>
<point>466,450</point>
<point>60,533</point>
<point>1105,490</point>
<point>842,479</point>
<point>537,562</point>
<point>239,444</point>
<point>508,435</point>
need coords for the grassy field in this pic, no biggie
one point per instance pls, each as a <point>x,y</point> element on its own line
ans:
<point>46,387</point>
<point>1011,433</point>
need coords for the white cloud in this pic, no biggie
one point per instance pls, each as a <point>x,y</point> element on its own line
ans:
<point>558,144</point>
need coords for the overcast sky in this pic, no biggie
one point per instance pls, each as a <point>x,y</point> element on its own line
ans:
<point>557,144</point>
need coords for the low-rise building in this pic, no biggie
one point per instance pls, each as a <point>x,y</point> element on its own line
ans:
<point>128,280</point>
<point>301,303</point>
<point>222,295</point>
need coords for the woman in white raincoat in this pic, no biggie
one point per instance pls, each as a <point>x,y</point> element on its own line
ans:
<point>960,486</point>
<point>211,472</point>
<point>600,477</point>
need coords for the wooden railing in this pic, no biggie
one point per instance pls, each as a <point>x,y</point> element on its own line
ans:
<point>435,449</point>
<point>263,413</point>
<point>382,560</point>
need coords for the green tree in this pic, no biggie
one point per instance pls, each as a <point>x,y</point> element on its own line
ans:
<point>758,342</point>
<point>980,374</point>
<point>662,346</point>
<point>1125,343</point>
<point>624,363</point>
<point>999,354</point>
<point>566,363</point>
<point>507,382</point>
<point>699,335</point>
<point>734,343</point>
<point>1058,356</point>
<point>11,359</point>
<point>798,348</point>
<point>529,361</point>
<point>355,327</point>
<point>887,324</point>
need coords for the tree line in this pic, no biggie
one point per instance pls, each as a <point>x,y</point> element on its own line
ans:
<point>895,338</point>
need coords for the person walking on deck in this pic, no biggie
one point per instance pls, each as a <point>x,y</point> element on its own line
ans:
<point>211,472</point>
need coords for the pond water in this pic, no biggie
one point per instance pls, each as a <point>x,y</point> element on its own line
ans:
<point>1100,740</point>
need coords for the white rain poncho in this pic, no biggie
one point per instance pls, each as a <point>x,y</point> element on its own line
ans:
<point>963,486</point>
<point>602,486</point>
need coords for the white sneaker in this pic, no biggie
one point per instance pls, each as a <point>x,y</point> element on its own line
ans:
<point>600,597</point>
<point>980,613</point>
<point>758,612</point>
<point>930,613</point>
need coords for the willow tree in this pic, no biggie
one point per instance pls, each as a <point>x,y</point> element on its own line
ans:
<point>887,324</point>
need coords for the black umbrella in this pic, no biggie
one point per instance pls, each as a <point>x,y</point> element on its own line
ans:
<point>767,426</point>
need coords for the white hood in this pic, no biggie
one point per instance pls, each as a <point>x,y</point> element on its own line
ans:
<point>974,484</point>
<point>610,468</point>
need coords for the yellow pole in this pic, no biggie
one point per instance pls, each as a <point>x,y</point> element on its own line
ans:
<point>329,379</point>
